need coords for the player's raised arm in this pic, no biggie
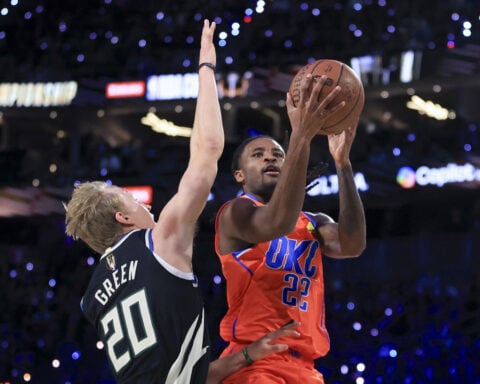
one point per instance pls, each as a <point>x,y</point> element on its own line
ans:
<point>176,224</point>
<point>283,177</point>
<point>207,141</point>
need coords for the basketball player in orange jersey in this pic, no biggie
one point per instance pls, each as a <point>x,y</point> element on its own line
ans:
<point>271,251</point>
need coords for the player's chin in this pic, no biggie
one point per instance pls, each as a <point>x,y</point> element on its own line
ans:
<point>269,182</point>
<point>269,185</point>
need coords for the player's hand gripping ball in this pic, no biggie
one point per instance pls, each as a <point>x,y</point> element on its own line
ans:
<point>352,92</point>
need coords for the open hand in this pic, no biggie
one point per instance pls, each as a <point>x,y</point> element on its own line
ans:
<point>266,345</point>
<point>207,48</point>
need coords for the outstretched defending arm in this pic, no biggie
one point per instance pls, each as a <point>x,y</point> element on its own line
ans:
<point>175,228</point>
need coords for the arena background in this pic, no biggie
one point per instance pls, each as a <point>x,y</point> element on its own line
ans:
<point>83,85</point>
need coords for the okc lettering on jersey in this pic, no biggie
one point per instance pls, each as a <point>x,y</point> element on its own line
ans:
<point>284,253</point>
<point>110,285</point>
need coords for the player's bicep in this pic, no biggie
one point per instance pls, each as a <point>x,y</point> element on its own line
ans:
<point>327,234</point>
<point>329,239</point>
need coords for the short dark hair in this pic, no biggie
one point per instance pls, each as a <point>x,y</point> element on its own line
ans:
<point>241,148</point>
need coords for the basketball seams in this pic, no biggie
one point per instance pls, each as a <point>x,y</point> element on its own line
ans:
<point>342,66</point>
<point>349,113</point>
<point>317,64</point>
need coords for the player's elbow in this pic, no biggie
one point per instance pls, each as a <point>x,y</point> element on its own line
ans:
<point>356,249</point>
<point>213,147</point>
<point>352,243</point>
<point>351,246</point>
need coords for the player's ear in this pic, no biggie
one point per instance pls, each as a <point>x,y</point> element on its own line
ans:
<point>122,218</point>
<point>238,175</point>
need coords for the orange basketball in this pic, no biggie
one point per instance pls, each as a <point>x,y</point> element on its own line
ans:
<point>337,73</point>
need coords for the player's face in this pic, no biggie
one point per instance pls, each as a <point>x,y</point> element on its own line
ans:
<point>138,213</point>
<point>260,166</point>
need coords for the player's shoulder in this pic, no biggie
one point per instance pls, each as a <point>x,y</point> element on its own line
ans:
<point>320,218</point>
<point>238,203</point>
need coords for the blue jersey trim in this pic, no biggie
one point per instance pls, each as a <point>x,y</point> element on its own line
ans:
<point>237,254</point>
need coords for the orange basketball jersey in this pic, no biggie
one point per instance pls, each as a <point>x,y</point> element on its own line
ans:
<point>274,282</point>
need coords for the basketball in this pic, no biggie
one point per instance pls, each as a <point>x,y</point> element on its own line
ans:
<point>352,92</point>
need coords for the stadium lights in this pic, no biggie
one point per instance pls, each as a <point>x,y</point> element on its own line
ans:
<point>164,126</point>
<point>427,107</point>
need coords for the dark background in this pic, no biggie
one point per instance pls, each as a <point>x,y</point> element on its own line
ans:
<point>406,311</point>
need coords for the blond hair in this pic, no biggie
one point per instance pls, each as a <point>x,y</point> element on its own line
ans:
<point>90,214</point>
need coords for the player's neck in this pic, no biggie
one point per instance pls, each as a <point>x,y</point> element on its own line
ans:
<point>262,198</point>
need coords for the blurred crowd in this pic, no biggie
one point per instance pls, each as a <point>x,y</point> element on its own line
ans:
<point>51,40</point>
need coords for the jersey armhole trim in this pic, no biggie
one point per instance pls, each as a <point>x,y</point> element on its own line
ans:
<point>170,268</point>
